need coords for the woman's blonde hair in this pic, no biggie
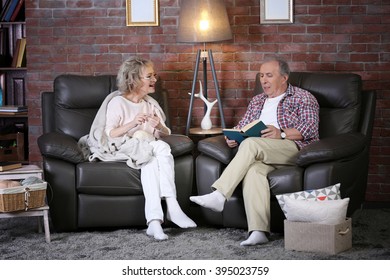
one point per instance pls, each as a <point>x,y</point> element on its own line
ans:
<point>130,72</point>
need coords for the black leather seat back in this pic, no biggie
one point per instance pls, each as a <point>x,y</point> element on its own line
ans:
<point>338,96</point>
<point>78,98</point>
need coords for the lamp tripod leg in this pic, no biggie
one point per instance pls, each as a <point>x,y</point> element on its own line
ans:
<point>217,88</point>
<point>193,93</point>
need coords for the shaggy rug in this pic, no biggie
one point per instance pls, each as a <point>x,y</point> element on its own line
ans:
<point>19,240</point>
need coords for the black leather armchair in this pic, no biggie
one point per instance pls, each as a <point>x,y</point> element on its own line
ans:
<point>96,194</point>
<point>341,156</point>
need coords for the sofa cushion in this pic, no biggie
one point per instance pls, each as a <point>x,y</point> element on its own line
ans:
<point>108,178</point>
<point>180,144</point>
<point>61,146</point>
<point>332,148</point>
<point>217,148</point>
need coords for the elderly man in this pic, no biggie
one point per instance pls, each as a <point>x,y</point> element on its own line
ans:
<point>291,115</point>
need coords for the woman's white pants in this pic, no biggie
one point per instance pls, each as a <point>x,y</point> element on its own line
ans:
<point>158,180</point>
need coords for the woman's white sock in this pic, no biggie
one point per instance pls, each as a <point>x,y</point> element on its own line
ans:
<point>155,230</point>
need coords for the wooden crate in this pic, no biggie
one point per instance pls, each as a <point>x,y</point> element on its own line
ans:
<point>13,153</point>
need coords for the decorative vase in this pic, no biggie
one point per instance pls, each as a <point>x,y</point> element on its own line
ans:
<point>206,121</point>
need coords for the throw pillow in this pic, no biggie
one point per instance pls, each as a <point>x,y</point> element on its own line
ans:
<point>329,212</point>
<point>328,193</point>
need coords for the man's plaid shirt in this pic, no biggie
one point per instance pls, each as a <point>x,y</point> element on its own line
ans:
<point>298,109</point>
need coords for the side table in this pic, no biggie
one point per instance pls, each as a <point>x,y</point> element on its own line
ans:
<point>22,173</point>
<point>206,132</point>
<point>19,174</point>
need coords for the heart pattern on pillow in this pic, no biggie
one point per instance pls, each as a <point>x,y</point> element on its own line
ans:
<point>327,193</point>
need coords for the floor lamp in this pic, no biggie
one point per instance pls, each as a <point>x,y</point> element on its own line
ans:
<point>203,21</point>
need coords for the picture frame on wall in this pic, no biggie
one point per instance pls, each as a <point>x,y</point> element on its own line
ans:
<point>276,11</point>
<point>142,13</point>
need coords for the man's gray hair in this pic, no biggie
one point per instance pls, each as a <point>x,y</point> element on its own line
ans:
<point>283,65</point>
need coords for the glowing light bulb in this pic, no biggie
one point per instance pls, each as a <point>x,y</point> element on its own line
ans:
<point>204,25</point>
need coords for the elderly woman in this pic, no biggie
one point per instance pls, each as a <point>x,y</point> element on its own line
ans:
<point>133,123</point>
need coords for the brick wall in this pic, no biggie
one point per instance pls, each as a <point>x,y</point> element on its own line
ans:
<point>91,37</point>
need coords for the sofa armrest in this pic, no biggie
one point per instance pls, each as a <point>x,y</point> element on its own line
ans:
<point>180,144</point>
<point>61,146</point>
<point>217,148</point>
<point>332,148</point>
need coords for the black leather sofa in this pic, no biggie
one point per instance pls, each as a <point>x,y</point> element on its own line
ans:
<point>341,156</point>
<point>86,194</point>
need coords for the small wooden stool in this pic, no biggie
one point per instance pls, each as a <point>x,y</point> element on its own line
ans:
<point>35,212</point>
<point>22,173</point>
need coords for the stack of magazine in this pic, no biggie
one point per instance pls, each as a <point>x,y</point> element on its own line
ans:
<point>13,109</point>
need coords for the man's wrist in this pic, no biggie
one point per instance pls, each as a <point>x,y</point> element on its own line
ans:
<point>283,134</point>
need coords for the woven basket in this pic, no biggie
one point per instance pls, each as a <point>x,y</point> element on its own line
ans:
<point>23,197</point>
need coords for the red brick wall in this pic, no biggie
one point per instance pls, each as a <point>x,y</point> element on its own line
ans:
<point>91,37</point>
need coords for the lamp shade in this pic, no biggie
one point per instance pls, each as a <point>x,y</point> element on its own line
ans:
<point>202,21</point>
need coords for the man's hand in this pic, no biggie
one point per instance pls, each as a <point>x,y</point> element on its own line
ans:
<point>231,143</point>
<point>274,133</point>
<point>270,132</point>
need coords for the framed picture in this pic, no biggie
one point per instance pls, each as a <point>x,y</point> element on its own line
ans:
<point>142,13</point>
<point>276,11</point>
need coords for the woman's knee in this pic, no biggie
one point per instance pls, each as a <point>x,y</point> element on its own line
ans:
<point>161,147</point>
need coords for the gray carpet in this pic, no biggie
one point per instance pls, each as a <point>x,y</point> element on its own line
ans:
<point>19,240</point>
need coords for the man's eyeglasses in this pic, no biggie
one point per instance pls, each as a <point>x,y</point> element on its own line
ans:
<point>149,77</point>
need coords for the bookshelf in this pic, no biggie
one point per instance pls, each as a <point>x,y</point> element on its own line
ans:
<point>13,79</point>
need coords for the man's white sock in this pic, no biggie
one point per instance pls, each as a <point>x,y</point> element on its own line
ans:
<point>214,201</point>
<point>256,237</point>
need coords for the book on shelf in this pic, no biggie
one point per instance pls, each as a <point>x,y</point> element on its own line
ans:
<point>13,109</point>
<point>15,14</point>
<point>20,50</point>
<point>16,51</point>
<point>5,166</point>
<point>252,129</point>
<point>4,9</point>
<point>11,10</point>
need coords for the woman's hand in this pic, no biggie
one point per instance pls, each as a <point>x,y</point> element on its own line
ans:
<point>122,130</point>
<point>154,121</point>
<point>140,119</point>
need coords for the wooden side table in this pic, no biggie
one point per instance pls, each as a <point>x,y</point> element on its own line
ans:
<point>207,132</point>
<point>19,174</point>
<point>22,173</point>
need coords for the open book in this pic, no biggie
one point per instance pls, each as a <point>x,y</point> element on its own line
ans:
<point>252,129</point>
